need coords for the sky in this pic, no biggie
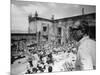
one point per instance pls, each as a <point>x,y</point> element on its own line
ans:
<point>21,9</point>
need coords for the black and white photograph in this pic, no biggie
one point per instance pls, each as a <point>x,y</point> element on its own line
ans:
<point>48,37</point>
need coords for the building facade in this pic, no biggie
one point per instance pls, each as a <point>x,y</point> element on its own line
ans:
<point>56,29</point>
<point>42,27</point>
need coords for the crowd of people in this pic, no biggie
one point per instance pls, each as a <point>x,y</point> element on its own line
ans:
<point>47,58</point>
<point>50,57</point>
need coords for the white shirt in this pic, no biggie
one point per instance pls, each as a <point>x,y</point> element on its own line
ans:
<point>87,53</point>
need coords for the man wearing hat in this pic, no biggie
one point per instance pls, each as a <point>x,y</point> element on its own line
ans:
<point>86,56</point>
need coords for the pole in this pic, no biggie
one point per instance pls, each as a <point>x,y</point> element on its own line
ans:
<point>36,33</point>
<point>82,11</point>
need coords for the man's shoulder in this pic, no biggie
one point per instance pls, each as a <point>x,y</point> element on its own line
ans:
<point>88,43</point>
<point>87,40</point>
<point>87,46</point>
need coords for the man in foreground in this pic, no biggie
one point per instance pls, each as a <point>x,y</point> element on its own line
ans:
<point>86,56</point>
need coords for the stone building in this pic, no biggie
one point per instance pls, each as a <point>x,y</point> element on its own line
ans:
<point>42,27</point>
<point>56,29</point>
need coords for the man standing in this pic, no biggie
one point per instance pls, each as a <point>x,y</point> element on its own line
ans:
<point>86,56</point>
